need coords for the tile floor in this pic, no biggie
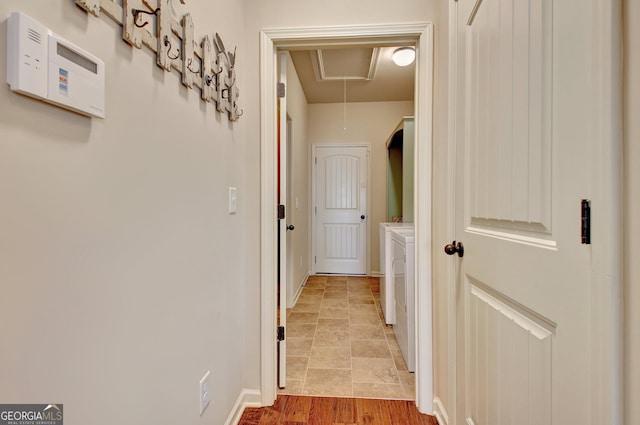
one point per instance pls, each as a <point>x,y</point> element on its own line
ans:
<point>338,344</point>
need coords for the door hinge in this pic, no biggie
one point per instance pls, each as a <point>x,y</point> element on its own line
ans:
<point>280,212</point>
<point>280,333</point>
<point>316,160</point>
<point>585,214</point>
<point>315,260</point>
<point>281,90</point>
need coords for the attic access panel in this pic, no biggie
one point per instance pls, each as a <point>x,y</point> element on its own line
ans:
<point>354,63</point>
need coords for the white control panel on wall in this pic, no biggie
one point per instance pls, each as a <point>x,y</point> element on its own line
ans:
<point>45,66</point>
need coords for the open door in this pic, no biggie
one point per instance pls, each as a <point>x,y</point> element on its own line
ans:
<point>525,151</point>
<point>282,221</point>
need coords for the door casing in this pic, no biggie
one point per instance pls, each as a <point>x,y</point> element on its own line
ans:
<point>270,41</point>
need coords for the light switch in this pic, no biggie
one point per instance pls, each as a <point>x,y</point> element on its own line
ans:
<point>233,200</point>
<point>205,392</point>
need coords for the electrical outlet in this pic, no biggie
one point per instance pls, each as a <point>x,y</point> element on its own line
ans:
<point>205,392</point>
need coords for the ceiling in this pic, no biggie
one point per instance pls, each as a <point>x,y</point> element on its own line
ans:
<point>368,71</point>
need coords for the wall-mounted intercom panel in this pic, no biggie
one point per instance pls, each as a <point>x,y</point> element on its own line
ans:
<point>43,65</point>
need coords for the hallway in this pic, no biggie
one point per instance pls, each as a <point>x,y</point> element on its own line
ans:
<point>338,344</point>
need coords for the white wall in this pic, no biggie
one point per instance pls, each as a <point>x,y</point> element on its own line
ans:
<point>298,215</point>
<point>122,274</point>
<point>372,123</point>
<point>632,210</point>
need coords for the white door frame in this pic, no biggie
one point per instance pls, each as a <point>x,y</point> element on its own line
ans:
<point>270,41</point>
<point>314,148</point>
<point>606,226</point>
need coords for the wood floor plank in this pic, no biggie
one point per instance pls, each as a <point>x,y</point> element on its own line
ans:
<point>345,411</point>
<point>369,411</point>
<point>251,416</point>
<point>321,411</point>
<point>386,408</point>
<point>296,409</point>
<point>408,412</point>
<point>301,410</point>
<point>270,416</point>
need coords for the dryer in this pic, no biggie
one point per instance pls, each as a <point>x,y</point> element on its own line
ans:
<point>387,299</point>
<point>403,266</point>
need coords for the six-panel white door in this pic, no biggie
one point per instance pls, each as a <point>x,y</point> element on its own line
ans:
<point>522,167</point>
<point>340,208</point>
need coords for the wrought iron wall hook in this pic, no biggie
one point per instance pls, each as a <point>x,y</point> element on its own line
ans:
<point>215,78</point>
<point>137,12</point>
<point>189,62</point>
<point>167,42</point>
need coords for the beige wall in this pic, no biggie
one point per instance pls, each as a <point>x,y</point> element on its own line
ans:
<point>123,277</point>
<point>632,210</point>
<point>298,210</point>
<point>370,123</point>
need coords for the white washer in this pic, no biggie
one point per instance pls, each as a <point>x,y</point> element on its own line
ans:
<point>403,265</point>
<point>387,299</point>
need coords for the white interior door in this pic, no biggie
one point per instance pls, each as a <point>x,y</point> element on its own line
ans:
<point>523,165</point>
<point>340,199</point>
<point>282,222</point>
<point>290,219</point>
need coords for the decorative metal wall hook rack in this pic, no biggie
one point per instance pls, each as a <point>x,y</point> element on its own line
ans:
<point>173,42</point>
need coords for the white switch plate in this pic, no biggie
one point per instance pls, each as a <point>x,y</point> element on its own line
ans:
<point>205,391</point>
<point>233,200</point>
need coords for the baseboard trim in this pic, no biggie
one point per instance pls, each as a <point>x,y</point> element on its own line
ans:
<point>300,288</point>
<point>247,398</point>
<point>291,303</point>
<point>440,412</point>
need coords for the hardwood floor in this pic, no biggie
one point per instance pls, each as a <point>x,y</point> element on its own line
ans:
<point>301,410</point>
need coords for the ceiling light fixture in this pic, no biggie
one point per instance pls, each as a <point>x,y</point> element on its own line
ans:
<point>404,56</point>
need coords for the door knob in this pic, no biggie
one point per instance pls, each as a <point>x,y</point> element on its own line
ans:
<point>290,227</point>
<point>454,247</point>
<point>362,217</point>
